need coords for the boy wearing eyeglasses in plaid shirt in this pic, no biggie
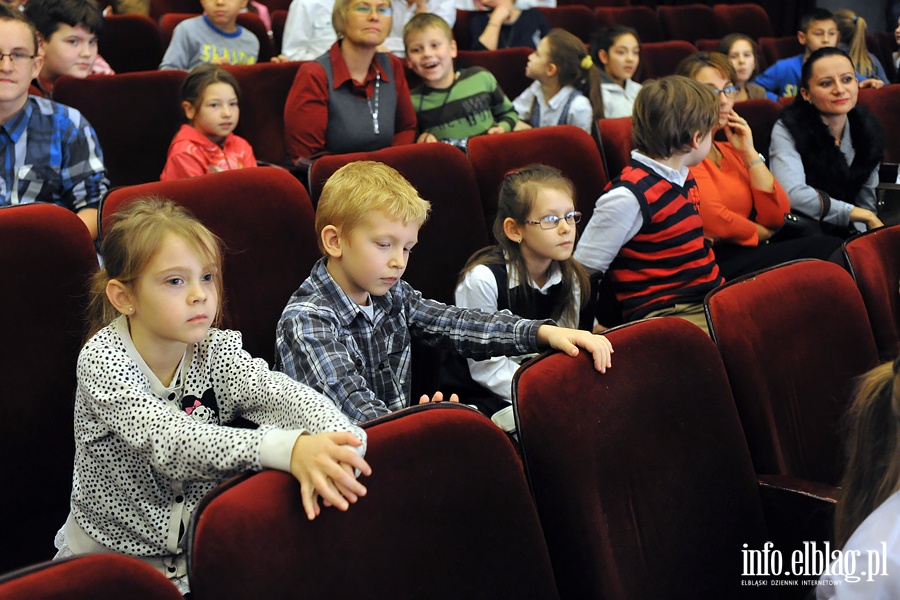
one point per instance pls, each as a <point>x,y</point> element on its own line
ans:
<point>346,332</point>
<point>48,151</point>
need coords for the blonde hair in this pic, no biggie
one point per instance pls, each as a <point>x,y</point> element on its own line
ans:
<point>852,29</point>
<point>668,112</point>
<point>518,193</point>
<point>362,187</point>
<point>134,239</point>
<point>423,21</point>
<point>339,15</point>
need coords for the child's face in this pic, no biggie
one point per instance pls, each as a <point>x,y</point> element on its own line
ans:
<point>373,257</point>
<point>218,113</point>
<point>430,54</point>
<point>175,299</point>
<point>622,59</point>
<point>820,34</point>
<point>223,13</point>
<point>541,245</point>
<point>713,79</point>
<point>69,51</point>
<point>833,87</point>
<point>743,60</point>
<point>539,65</point>
<point>15,77</point>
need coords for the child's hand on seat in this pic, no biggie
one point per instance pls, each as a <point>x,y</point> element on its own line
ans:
<point>438,397</point>
<point>569,340</point>
<point>323,464</point>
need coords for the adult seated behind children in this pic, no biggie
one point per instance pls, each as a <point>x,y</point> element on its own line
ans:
<point>68,30</point>
<point>308,31</point>
<point>826,150</point>
<point>352,98</point>
<point>741,203</point>
<point>52,153</point>
<point>646,234</point>
<point>500,24</point>
<point>346,332</point>
<point>451,106</point>
<point>818,29</point>
<point>213,37</point>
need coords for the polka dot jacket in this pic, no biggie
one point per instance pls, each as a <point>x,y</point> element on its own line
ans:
<point>145,454</point>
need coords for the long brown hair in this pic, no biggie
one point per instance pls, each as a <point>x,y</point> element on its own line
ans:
<point>518,193</point>
<point>872,472</point>
<point>132,241</point>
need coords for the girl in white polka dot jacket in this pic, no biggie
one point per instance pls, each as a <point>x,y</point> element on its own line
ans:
<point>156,382</point>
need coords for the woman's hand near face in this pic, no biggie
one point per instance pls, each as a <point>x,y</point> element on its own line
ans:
<point>740,136</point>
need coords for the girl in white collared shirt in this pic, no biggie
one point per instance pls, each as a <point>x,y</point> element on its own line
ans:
<point>616,52</point>
<point>559,67</point>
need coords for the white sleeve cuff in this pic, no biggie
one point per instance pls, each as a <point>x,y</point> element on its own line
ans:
<point>276,448</point>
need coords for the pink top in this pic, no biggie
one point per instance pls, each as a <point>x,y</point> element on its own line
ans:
<point>727,200</point>
<point>191,154</point>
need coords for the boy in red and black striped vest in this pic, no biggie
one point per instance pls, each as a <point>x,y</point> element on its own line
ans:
<point>646,234</point>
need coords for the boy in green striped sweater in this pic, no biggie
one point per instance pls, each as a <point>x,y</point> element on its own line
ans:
<point>451,106</point>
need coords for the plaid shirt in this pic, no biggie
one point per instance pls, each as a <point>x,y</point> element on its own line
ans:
<point>327,341</point>
<point>50,153</point>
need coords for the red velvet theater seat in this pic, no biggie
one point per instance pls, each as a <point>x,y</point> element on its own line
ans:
<point>749,19</point>
<point>874,259</point>
<point>454,230</point>
<point>264,89</point>
<point>793,339</point>
<point>134,149</point>
<point>565,147</point>
<point>130,43</point>
<point>761,115</point>
<point>616,144</point>
<point>688,22</point>
<point>883,104</point>
<point>642,19</point>
<point>659,59</point>
<point>506,64</point>
<point>641,476</point>
<point>447,516</point>
<point>89,577</point>
<point>46,262</point>
<point>577,19</point>
<point>776,48</point>
<point>266,221</point>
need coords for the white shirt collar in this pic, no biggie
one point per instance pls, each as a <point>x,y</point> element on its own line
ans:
<point>662,170</point>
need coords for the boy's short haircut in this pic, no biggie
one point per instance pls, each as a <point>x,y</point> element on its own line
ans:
<point>423,21</point>
<point>668,112</point>
<point>48,15</point>
<point>12,14</point>
<point>696,62</point>
<point>361,188</point>
<point>816,14</point>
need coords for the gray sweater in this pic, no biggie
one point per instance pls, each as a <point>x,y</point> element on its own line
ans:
<point>196,41</point>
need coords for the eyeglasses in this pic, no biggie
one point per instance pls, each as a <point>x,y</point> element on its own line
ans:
<point>552,221</point>
<point>728,91</point>
<point>16,58</point>
<point>365,9</point>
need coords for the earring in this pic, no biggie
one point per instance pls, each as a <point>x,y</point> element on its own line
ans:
<point>130,309</point>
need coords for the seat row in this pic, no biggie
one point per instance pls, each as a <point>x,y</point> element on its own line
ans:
<point>660,470</point>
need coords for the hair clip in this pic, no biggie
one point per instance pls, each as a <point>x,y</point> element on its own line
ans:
<point>511,172</point>
<point>587,62</point>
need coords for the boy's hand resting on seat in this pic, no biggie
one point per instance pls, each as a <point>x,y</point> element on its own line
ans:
<point>438,397</point>
<point>323,464</point>
<point>569,340</point>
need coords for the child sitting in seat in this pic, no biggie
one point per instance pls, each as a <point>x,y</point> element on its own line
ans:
<point>646,234</point>
<point>616,52</point>
<point>211,102</point>
<point>530,272</point>
<point>451,106</point>
<point>347,330</point>
<point>559,67</point>
<point>68,30</point>
<point>213,37</point>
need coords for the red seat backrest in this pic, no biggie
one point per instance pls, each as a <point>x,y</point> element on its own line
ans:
<point>688,22</point>
<point>506,64</point>
<point>130,43</point>
<point>749,19</point>
<point>642,19</point>
<point>659,59</point>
